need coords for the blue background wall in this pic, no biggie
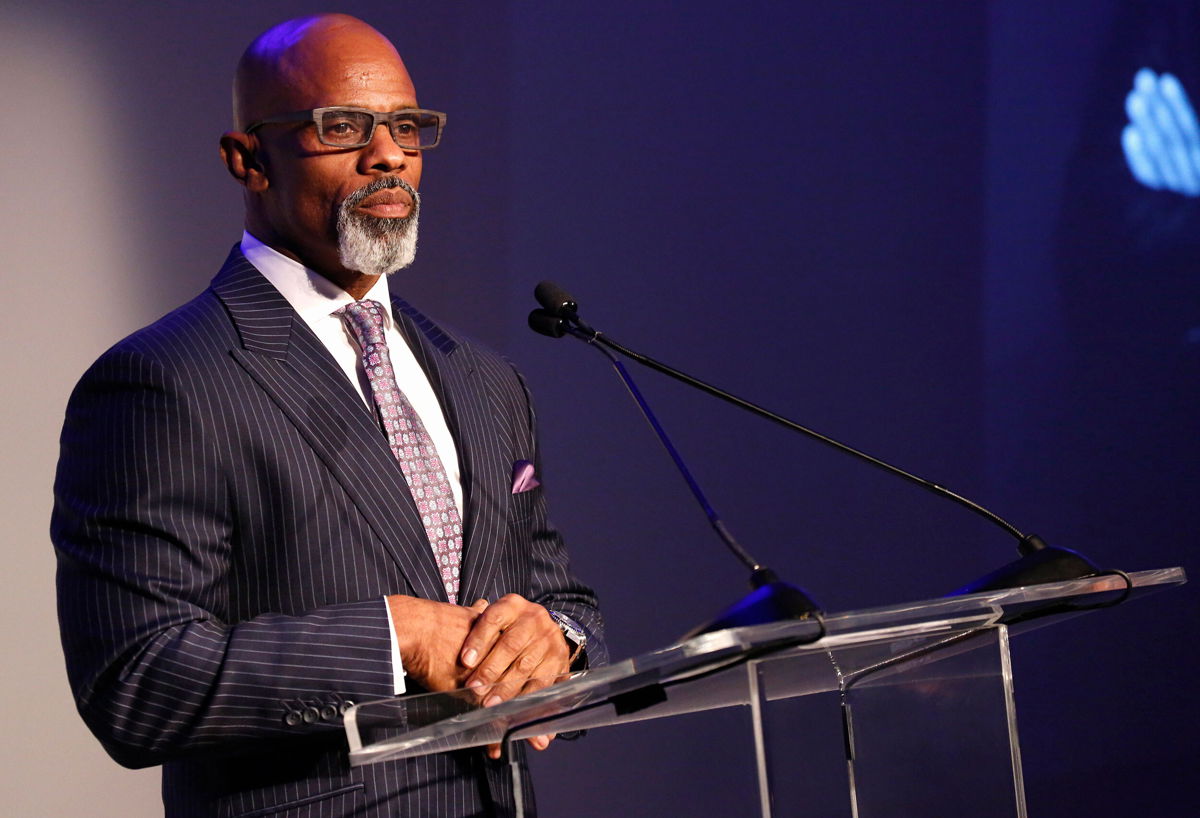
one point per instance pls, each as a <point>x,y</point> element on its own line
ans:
<point>908,226</point>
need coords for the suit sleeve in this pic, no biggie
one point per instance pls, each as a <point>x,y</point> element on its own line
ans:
<point>553,583</point>
<point>144,533</point>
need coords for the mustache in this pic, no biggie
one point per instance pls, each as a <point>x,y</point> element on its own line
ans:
<point>384,183</point>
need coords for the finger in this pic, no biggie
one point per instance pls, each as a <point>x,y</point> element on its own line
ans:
<point>522,677</point>
<point>498,679</point>
<point>502,691</point>
<point>536,742</point>
<point>525,633</point>
<point>477,607</point>
<point>530,631</point>
<point>538,682</point>
<point>530,649</point>
<point>487,628</point>
<point>541,742</point>
<point>513,658</point>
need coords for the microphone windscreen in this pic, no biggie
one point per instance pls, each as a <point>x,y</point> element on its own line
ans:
<point>546,323</point>
<point>554,299</point>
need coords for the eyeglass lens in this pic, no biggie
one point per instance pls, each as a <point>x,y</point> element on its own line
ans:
<point>354,128</point>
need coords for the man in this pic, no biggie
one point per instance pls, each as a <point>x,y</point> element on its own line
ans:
<point>269,502</point>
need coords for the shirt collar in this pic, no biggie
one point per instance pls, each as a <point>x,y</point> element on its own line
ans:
<point>311,295</point>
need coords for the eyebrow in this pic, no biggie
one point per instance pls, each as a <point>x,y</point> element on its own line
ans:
<point>373,110</point>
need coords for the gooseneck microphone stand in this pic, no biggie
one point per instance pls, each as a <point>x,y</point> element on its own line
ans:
<point>1037,563</point>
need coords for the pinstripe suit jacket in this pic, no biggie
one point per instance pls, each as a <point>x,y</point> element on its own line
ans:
<point>228,517</point>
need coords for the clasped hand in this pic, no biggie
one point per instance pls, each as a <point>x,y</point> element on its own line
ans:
<point>498,650</point>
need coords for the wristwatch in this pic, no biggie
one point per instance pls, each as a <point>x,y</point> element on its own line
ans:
<point>575,636</point>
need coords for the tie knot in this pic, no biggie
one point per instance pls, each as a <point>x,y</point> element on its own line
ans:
<point>365,319</point>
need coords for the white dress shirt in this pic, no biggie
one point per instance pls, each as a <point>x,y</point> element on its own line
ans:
<point>316,299</point>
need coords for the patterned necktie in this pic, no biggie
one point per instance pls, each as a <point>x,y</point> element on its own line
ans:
<point>411,444</point>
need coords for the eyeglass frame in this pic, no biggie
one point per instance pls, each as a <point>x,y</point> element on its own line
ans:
<point>378,117</point>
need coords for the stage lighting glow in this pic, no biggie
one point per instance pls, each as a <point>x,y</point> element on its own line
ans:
<point>1162,139</point>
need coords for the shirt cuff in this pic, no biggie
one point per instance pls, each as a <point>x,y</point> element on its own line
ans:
<point>397,665</point>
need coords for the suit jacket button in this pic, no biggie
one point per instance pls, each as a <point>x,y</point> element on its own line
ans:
<point>329,712</point>
<point>311,714</point>
<point>292,718</point>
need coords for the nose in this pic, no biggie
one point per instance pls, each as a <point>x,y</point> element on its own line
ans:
<point>383,154</point>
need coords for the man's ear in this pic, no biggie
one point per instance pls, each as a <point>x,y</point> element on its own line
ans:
<point>241,160</point>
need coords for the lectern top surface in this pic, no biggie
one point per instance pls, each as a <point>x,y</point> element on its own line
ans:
<point>418,725</point>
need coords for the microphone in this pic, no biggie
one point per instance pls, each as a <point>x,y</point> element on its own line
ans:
<point>546,323</point>
<point>554,300</point>
<point>1038,562</point>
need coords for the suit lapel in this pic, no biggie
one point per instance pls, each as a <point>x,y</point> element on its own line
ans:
<point>290,363</point>
<point>451,369</point>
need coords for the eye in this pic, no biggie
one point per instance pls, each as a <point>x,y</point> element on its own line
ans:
<point>406,132</point>
<point>343,126</point>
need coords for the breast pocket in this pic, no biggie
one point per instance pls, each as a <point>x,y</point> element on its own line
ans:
<point>522,505</point>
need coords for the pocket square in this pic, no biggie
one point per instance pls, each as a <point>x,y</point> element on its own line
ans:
<point>523,477</point>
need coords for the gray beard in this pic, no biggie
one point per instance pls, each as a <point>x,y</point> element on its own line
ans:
<point>374,246</point>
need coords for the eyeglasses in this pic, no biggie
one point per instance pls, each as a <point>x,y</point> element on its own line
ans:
<point>413,128</point>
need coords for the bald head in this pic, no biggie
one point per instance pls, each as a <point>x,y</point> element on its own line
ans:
<point>346,212</point>
<point>293,65</point>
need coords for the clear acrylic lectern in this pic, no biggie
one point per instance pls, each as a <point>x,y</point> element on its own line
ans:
<point>924,689</point>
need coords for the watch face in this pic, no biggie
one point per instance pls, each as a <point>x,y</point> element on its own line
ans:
<point>571,631</point>
<point>575,637</point>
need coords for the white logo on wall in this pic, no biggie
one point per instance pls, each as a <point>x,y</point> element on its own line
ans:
<point>1162,139</point>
